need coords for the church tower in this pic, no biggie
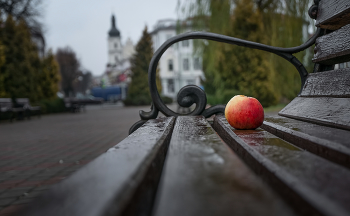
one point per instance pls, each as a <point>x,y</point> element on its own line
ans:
<point>115,49</point>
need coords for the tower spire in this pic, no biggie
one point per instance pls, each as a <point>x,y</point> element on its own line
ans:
<point>114,32</point>
<point>113,21</point>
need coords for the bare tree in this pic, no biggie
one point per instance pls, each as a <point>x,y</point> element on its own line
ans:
<point>86,81</point>
<point>29,11</point>
<point>83,82</point>
<point>69,68</point>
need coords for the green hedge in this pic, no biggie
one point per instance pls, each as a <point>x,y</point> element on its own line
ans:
<point>47,106</point>
<point>142,100</point>
<point>52,106</point>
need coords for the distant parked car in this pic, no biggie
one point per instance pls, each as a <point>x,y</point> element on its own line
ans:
<point>88,99</point>
<point>111,93</point>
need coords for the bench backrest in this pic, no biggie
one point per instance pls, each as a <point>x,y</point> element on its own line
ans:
<point>325,97</point>
<point>6,103</point>
<point>24,101</point>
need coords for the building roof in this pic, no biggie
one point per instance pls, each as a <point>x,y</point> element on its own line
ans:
<point>114,32</point>
<point>171,24</point>
<point>164,24</point>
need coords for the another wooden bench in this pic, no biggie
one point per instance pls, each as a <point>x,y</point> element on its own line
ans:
<point>7,109</point>
<point>297,163</point>
<point>73,105</point>
<point>28,108</point>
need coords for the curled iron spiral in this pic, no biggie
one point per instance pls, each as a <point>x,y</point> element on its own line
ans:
<point>191,94</point>
<point>314,9</point>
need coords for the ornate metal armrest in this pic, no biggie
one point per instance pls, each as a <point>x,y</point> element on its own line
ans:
<point>191,94</point>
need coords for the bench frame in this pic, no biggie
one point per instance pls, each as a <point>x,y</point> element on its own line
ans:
<point>190,94</point>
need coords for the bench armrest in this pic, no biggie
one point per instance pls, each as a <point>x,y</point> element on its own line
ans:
<point>191,94</point>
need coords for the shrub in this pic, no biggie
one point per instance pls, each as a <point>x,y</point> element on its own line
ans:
<point>167,100</point>
<point>142,100</point>
<point>52,106</point>
<point>138,100</point>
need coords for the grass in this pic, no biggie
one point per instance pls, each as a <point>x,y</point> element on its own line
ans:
<point>275,108</point>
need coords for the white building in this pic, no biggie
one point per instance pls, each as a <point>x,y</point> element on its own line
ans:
<point>115,50</point>
<point>118,66</point>
<point>178,66</point>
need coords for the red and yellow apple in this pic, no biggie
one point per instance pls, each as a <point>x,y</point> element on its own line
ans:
<point>244,112</point>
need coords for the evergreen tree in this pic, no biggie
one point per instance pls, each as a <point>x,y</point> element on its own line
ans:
<point>21,60</point>
<point>2,61</point>
<point>243,70</point>
<point>22,73</point>
<point>49,77</point>
<point>138,90</point>
<point>29,11</point>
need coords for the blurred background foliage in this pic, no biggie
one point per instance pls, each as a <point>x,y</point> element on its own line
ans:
<point>230,69</point>
<point>138,90</point>
<point>27,68</point>
<point>23,72</point>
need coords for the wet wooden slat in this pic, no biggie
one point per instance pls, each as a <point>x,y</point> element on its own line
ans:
<point>333,14</point>
<point>202,176</point>
<point>334,83</point>
<point>313,185</point>
<point>121,181</point>
<point>332,112</point>
<point>330,143</point>
<point>333,48</point>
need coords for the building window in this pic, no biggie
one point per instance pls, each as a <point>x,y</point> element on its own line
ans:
<point>170,65</point>
<point>186,64</point>
<point>171,87</point>
<point>185,43</point>
<point>196,64</point>
<point>191,82</point>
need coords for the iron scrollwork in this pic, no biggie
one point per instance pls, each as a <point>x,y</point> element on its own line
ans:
<point>191,94</point>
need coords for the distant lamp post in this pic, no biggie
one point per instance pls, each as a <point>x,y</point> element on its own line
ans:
<point>103,83</point>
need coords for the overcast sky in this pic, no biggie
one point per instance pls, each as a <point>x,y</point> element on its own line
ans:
<point>83,24</point>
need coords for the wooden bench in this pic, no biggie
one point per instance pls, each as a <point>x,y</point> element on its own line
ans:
<point>297,163</point>
<point>73,104</point>
<point>7,108</point>
<point>28,108</point>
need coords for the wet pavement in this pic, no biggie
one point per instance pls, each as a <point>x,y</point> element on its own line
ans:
<point>37,153</point>
<point>40,152</point>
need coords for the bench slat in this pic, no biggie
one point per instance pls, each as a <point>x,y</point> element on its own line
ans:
<point>332,112</point>
<point>333,14</point>
<point>202,176</point>
<point>330,143</point>
<point>313,185</point>
<point>121,181</point>
<point>329,83</point>
<point>333,48</point>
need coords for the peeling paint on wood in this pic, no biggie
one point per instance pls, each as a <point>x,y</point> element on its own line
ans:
<point>334,47</point>
<point>334,83</point>
<point>333,14</point>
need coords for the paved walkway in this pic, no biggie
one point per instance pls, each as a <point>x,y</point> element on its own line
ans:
<point>37,153</point>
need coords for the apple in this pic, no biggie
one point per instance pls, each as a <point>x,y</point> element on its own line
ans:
<point>244,112</point>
